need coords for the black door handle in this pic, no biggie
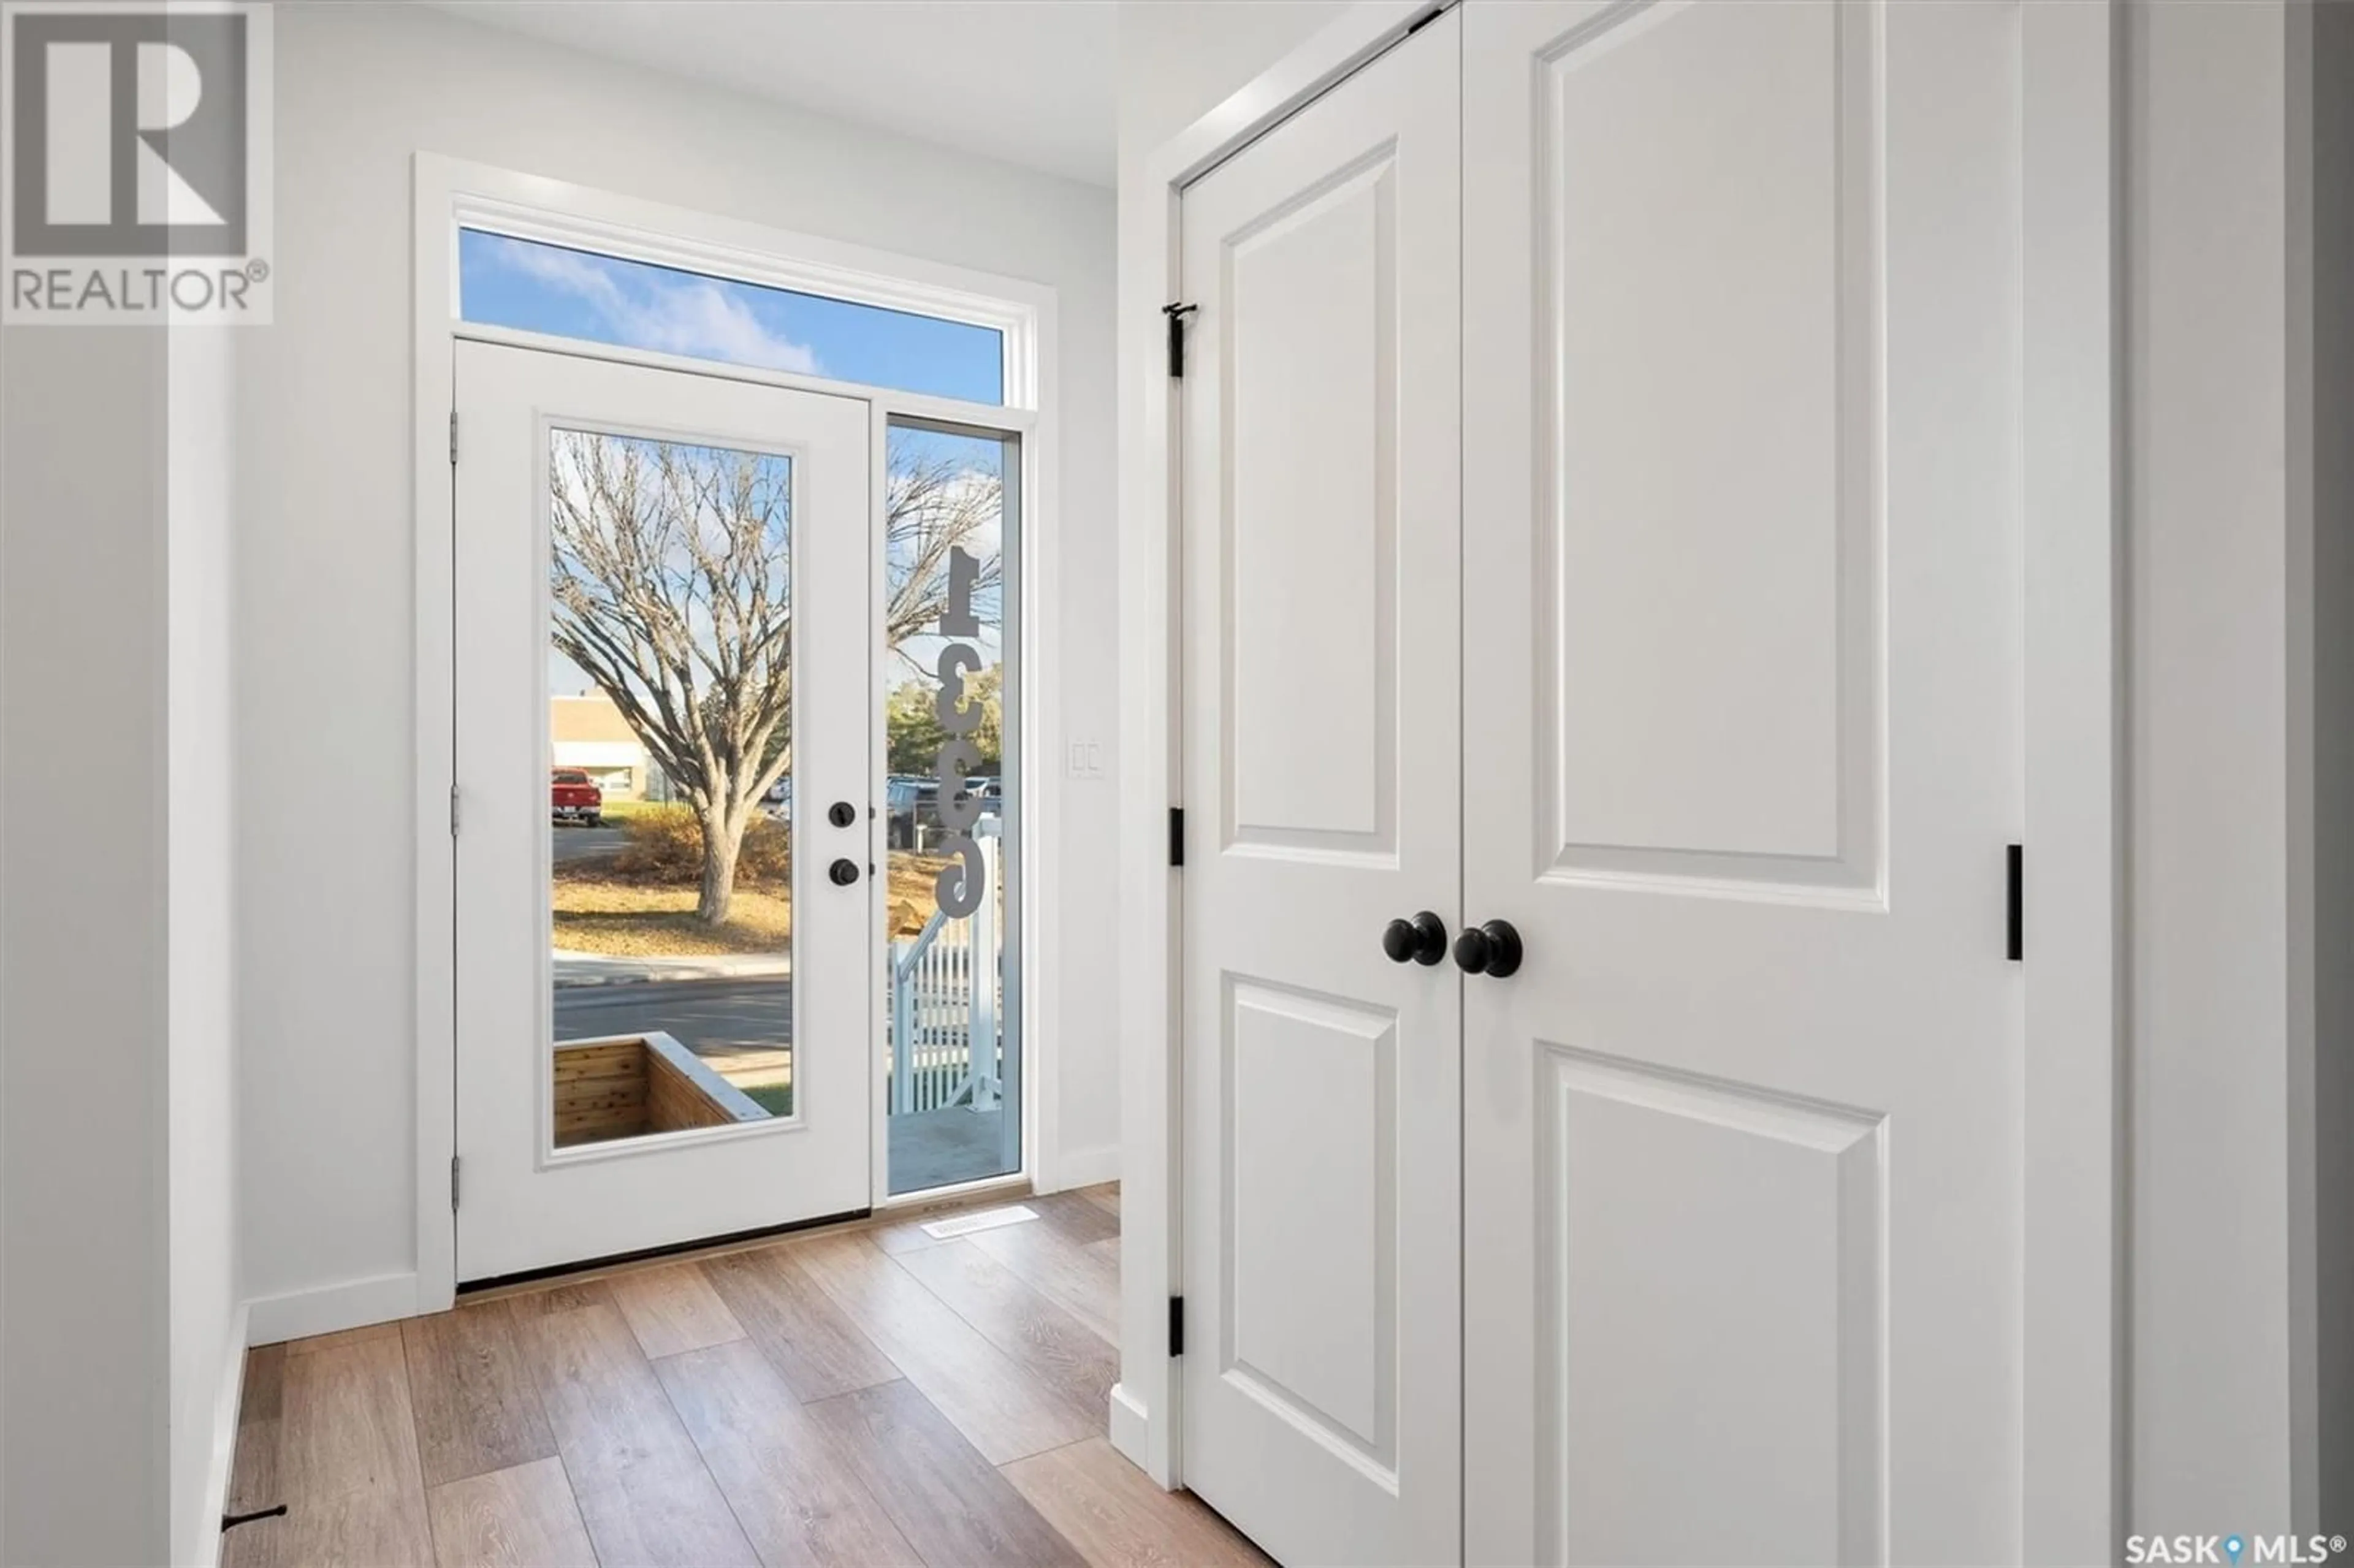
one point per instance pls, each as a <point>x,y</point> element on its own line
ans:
<point>843,873</point>
<point>1492,949</point>
<point>1422,940</point>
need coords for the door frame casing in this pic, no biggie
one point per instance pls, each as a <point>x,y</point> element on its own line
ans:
<point>2073,1395</point>
<point>449,192</point>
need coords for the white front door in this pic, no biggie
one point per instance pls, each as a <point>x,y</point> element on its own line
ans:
<point>1741,752</point>
<point>665,962</point>
<point>1322,1380</point>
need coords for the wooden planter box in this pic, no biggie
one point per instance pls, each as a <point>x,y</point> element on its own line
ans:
<point>629,1085</point>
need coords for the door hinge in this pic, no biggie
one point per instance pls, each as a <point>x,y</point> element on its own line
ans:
<point>453,437</point>
<point>453,811</point>
<point>1176,835</point>
<point>1176,1325</point>
<point>454,1184</point>
<point>2015,904</point>
<point>1177,314</point>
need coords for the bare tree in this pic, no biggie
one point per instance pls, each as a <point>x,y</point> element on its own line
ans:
<point>671,572</point>
<point>933,505</point>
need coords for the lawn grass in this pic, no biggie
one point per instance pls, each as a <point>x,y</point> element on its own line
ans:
<point>598,911</point>
<point>777,1099</point>
<point>624,919</point>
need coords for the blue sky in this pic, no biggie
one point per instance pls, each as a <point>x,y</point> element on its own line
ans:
<point>522,284</point>
<point>549,288</point>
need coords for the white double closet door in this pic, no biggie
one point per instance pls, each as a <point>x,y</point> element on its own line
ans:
<point>1601,486</point>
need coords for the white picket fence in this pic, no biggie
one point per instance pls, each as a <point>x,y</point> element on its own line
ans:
<point>946,1000</point>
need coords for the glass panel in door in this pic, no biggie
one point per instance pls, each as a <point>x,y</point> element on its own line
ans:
<point>669,729</point>
<point>953,794</point>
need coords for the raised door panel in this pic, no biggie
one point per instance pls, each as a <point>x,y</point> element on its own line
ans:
<point>1711,1303</point>
<point>1703,222</point>
<point>1309,356</point>
<point>1311,1195</point>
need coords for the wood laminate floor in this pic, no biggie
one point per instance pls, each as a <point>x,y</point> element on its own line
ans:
<point>860,1396</point>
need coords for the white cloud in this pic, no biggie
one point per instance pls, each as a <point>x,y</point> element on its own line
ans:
<point>669,313</point>
<point>972,490</point>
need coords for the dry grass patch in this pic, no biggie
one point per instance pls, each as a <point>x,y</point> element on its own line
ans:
<point>607,906</point>
<point>914,891</point>
<point>632,920</point>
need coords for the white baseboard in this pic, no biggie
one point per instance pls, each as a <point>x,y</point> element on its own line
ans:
<point>354,1304</point>
<point>1084,1167</point>
<point>204,1546</point>
<point>1132,1430</point>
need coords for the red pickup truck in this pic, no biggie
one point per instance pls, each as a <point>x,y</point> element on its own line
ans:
<point>574,799</point>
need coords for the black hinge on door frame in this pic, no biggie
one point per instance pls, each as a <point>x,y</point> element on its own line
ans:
<point>1176,835</point>
<point>1177,314</point>
<point>453,437</point>
<point>1176,1325</point>
<point>454,1184</point>
<point>2015,904</point>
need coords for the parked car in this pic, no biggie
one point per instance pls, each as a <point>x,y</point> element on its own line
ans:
<point>914,803</point>
<point>574,797</point>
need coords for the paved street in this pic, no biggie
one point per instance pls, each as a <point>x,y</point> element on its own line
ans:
<point>570,843</point>
<point>727,1023</point>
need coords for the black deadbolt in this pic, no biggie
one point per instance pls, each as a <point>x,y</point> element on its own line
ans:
<point>842,814</point>
<point>843,873</point>
<point>1422,940</point>
<point>1492,949</point>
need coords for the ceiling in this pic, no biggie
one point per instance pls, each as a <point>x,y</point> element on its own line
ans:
<point>1028,81</point>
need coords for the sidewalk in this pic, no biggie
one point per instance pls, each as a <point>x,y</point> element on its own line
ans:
<point>596,969</point>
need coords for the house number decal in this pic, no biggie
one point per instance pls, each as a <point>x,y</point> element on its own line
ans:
<point>963,881</point>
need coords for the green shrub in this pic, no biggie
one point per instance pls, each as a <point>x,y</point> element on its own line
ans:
<point>665,845</point>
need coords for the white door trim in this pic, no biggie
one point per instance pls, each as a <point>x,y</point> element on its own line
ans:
<point>2075,1399</point>
<point>449,191</point>
<point>2074,1404</point>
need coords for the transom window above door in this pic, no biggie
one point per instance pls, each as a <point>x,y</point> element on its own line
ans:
<point>533,286</point>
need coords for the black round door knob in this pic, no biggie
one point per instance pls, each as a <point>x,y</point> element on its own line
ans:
<point>843,873</point>
<point>1492,949</point>
<point>1422,940</point>
<point>842,814</point>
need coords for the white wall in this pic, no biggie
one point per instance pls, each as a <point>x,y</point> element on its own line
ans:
<point>1181,58</point>
<point>324,649</point>
<point>2328,183</point>
<point>83,1359</point>
<point>2226,1312</point>
<point>207,1333</point>
<point>120,1344</point>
